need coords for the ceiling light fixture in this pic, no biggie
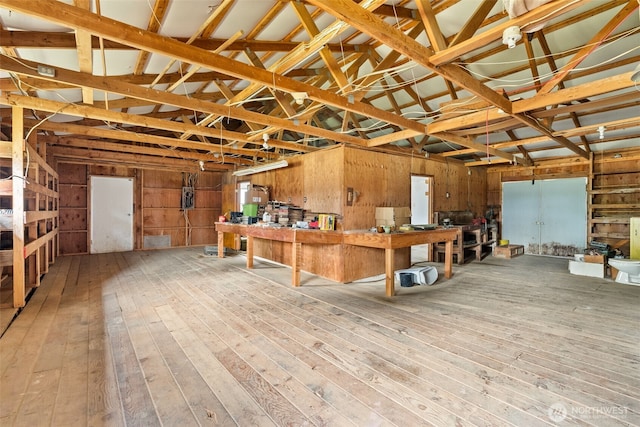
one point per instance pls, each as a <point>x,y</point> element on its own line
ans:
<point>261,168</point>
<point>201,165</point>
<point>511,35</point>
<point>635,77</point>
<point>601,131</point>
<point>299,97</point>
<point>265,138</point>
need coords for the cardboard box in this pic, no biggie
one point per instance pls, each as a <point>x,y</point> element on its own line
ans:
<point>508,251</point>
<point>590,269</point>
<point>393,216</point>
<point>397,222</point>
<point>596,259</point>
<point>258,194</point>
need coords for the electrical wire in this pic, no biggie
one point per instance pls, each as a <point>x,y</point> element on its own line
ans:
<point>528,80</point>
<point>615,38</point>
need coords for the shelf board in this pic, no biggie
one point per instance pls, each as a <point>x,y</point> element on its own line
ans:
<point>609,235</point>
<point>625,190</point>
<point>609,220</point>
<point>616,206</point>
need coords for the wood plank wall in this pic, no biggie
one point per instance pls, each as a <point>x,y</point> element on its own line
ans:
<point>157,195</point>
<point>318,182</point>
<point>162,195</point>
<point>73,208</point>
<point>613,191</point>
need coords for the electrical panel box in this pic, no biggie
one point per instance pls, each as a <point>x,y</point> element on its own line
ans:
<point>188,198</point>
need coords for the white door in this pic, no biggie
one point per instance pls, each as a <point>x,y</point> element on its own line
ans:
<point>420,212</point>
<point>111,214</point>
<point>548,217</point>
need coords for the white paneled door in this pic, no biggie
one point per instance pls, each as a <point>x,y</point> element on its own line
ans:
<point>111,214</point>
<point>420,211</point>
<point>548,217</point>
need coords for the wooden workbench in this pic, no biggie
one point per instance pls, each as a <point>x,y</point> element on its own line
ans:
<point>392,241</point>
<point>297,237</point>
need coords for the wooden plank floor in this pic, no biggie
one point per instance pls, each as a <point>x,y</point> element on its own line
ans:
<point>178,338</point>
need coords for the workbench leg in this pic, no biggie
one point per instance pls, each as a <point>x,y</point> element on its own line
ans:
<point>389,267</point>
<point>296,261</point>
<point>448,259</point>
<point>220,244</point>
<point>249,251</point>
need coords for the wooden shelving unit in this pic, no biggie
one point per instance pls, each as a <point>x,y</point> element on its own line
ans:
<point>30,202</point>
<point>74,211</point>
<point>472,242</point>
<point>613,198</point>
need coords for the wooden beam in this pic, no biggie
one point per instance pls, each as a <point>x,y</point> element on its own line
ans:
<point>146,79</point>
<point>61,13</point>
<point>473,23</point>
<point>123,135</point>
<point>564,96</point>
<point>480,148</point>
<point>547,11</point>
<point>85,53</point>
<point>18,206</point>
<point>361,88</point>
<point>126,89</point>
<point>434,34</point>
<point>354,15</point>
<point>116,117</point>
<point>132,160</point>
<point>590,46</point>
<point>524,152</point>
<point>302,53</point>
<point>92,144</point>
<point>392,137</point>
<point>534,124</point>
<point>630,122</point>
<point>327,57</point>
<point>280,97</point>
<point>533,66</point>
<point>221,9</point>
<point>155,22</point>
<point>193,70</point>
<point>54,40</point>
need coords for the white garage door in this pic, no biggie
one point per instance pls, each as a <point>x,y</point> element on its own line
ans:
<point>548,217</point>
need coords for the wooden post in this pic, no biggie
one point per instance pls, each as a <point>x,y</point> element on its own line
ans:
<point>249,251</point>
<point>220,244</point>
<point>32,277</point>
<point>296,261</point>
<point>389,263</point>
<point>17,170</point>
